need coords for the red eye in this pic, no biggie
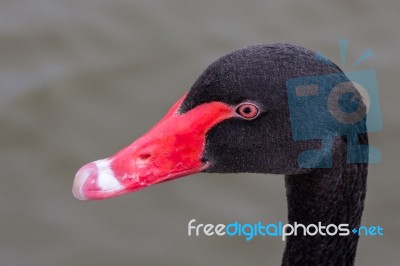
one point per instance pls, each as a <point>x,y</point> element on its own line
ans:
<point>247,110</point>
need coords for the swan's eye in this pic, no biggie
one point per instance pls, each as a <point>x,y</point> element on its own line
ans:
<point>247,111</point>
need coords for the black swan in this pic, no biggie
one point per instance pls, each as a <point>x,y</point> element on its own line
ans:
<point>236,118</point>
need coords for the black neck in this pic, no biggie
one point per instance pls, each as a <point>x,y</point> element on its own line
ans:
<point>330,196</point>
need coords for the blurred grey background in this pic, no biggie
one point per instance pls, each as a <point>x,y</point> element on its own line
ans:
<point>81,79</point>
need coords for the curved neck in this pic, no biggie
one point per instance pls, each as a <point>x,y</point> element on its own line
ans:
<point>329,196</point>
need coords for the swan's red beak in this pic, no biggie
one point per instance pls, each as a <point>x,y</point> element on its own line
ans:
<point>173,148</point>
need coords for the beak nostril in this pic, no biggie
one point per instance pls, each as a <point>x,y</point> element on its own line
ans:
<point>144,156</point>
<point>142,159</point>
